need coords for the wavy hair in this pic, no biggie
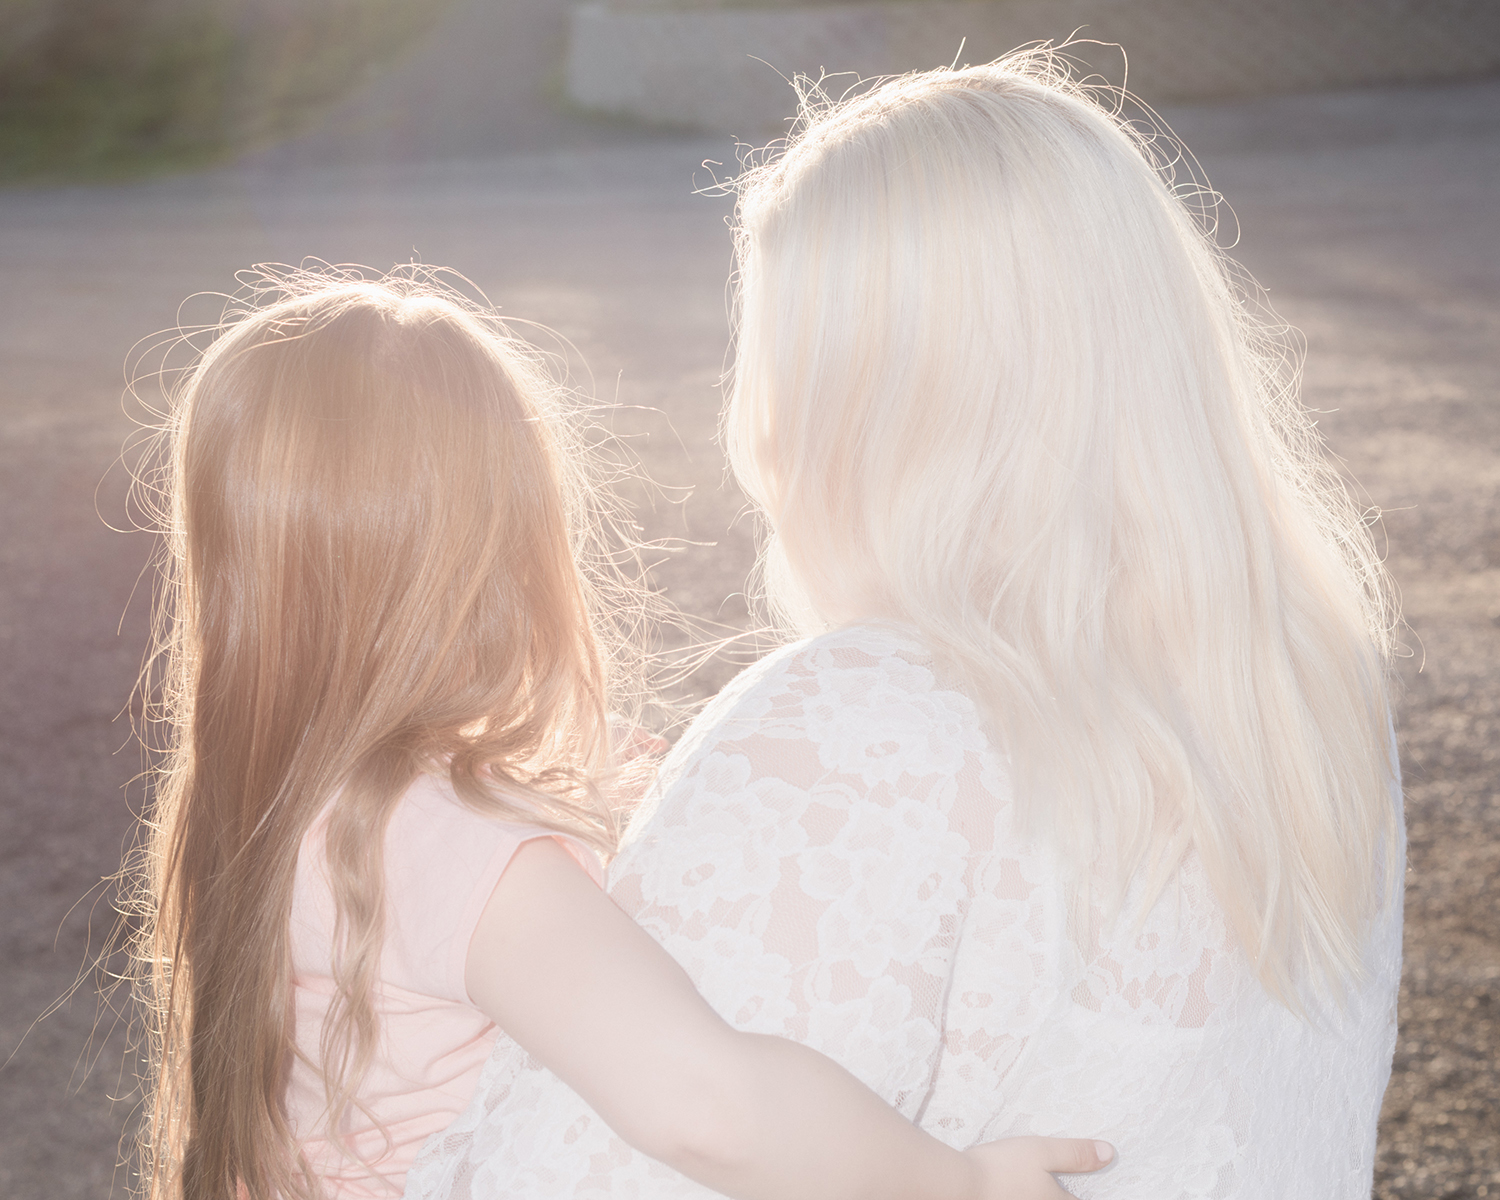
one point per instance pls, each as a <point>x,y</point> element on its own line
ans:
<point>995,380</point>
<point>374,502</point>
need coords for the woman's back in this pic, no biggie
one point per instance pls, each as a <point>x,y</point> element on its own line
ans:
<point>832,859</point>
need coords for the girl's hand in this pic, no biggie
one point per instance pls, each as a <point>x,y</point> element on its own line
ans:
<point>1021,1168</point>
<point>593,997</point>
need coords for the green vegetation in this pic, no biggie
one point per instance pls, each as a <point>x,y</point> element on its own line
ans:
<point>702,5</point>
<point>99,89</point>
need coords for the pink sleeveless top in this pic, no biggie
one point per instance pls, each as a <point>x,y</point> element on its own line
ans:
<point>442,861</point>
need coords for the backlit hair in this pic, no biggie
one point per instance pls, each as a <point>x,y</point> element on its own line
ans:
<point>994,381</point>
<point>374,504</point>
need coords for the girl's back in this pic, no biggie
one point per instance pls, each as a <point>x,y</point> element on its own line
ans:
<point>442,862</point>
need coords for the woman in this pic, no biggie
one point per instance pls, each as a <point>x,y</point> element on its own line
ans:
<point>1078,808</point>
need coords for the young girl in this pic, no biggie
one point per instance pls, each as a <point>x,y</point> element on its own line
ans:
<point>389,685</point>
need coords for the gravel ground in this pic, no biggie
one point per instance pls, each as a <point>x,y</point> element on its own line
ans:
<point>1370,217</point>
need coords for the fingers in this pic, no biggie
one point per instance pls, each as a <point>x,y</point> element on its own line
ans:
<point>1072,1156</point>
<point>1024,1168</point>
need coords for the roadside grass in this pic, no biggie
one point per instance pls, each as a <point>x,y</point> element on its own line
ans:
<point>97,90</point>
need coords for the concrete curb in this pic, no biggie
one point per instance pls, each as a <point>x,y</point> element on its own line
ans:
<point>722,69</point>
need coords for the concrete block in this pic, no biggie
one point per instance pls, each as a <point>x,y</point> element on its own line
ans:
<point>726,69</point>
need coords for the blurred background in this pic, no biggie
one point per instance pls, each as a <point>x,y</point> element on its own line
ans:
<point>562,158</point>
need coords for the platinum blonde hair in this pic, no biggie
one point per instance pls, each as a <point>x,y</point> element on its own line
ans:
<point>995,382</point>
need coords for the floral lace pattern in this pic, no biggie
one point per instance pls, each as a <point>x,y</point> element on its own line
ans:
<point>829,854</point>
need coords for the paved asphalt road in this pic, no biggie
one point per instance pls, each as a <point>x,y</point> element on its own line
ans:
<point>1370,216</point>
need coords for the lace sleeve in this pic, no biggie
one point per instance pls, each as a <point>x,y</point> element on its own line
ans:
<point>805,861</point>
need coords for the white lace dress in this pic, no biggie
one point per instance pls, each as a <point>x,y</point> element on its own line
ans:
<point>830,856</point>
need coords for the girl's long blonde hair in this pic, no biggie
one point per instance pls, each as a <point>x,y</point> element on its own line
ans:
<point>995,381</point>
<point>374,507</point>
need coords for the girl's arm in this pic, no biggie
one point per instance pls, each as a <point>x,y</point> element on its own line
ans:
<point>593,997</point>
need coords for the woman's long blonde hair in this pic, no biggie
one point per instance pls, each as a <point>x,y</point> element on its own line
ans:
<point>374,504</point>
<point>995,381</point>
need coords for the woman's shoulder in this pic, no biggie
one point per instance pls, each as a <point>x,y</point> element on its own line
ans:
<point>840,693</point>
<point>852,659</point>
<point>877,649</point>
